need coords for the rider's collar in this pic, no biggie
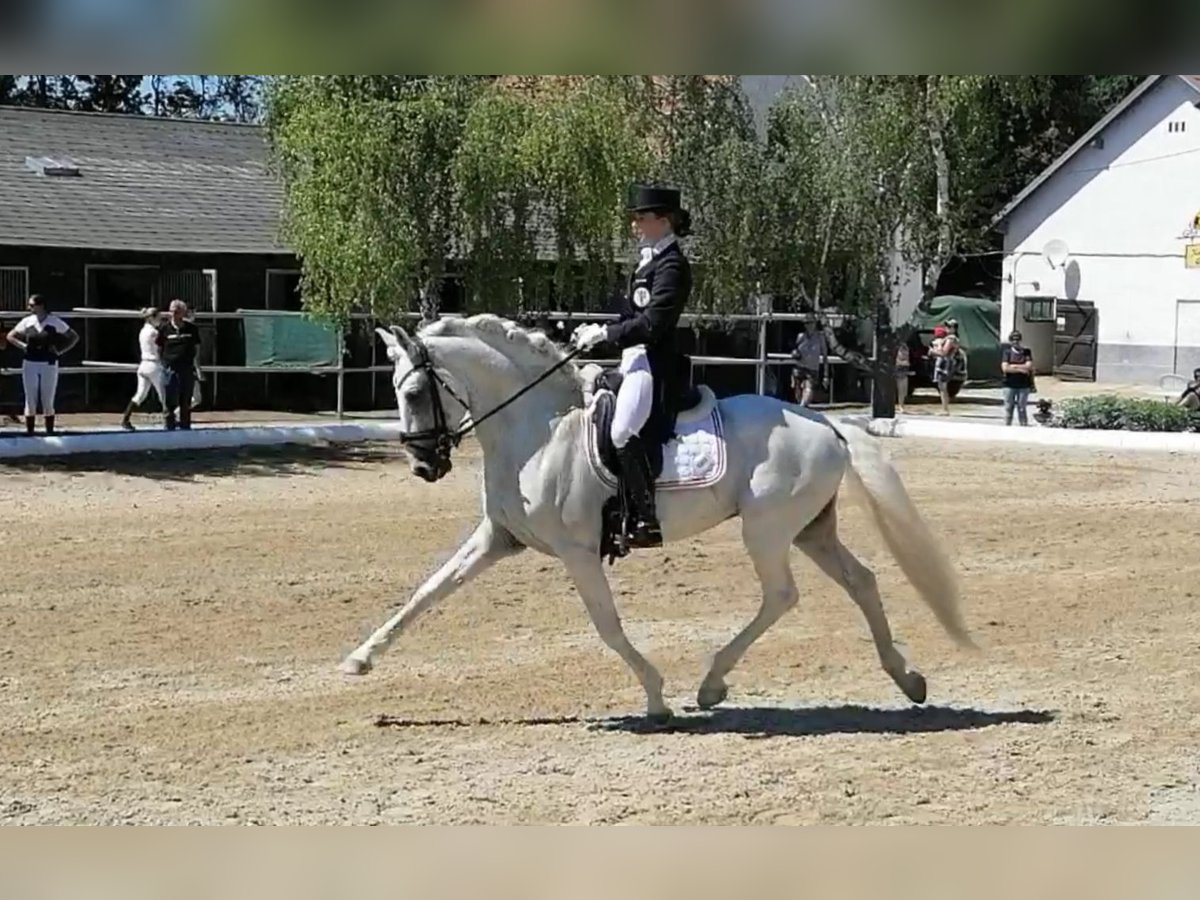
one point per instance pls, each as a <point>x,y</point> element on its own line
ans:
<point>646,253</point>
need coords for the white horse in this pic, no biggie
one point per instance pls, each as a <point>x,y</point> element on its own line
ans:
<point>541,491</point>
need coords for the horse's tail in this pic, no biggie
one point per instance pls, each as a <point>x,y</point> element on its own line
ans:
<point>914,546</point>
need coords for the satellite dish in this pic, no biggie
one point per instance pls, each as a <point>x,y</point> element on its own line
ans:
<point>1056,252</point>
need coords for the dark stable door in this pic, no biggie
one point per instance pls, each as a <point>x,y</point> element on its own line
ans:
<point>1075,340</point>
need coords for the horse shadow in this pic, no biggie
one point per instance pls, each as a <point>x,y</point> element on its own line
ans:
<point>770,721</point>
<point>285,460</point>
<point>818,721</point>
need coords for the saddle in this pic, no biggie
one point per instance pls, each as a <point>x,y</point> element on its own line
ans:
<point>658,430</point>
<point>683,440</point>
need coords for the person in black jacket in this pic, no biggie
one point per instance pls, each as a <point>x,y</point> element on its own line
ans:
<point>179,342</point>
<point>646,335</point>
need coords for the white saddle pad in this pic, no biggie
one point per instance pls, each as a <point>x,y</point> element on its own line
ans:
<point>695,458</point>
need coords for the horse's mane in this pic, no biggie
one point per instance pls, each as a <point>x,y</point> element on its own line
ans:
<point>529,349</point>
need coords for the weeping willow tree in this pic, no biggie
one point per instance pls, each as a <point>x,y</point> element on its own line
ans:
<point>369,195</point>
<point>388,181</point>
<point>542,177</point>
<point>703,141</point>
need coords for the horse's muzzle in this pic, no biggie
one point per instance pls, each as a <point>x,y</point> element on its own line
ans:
<point>432,472</point>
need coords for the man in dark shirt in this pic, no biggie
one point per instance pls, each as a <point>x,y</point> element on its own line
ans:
<point>179,341</point>
<point>1016,362</point>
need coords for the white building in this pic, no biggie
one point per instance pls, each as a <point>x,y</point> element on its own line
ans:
<point>1125,199</point>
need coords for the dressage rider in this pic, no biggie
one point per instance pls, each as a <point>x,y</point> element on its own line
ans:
<point>645,333</point>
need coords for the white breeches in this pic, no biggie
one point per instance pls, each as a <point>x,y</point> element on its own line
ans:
<point>41,383</point>
<point>150,375</point>
<point>635,398</point>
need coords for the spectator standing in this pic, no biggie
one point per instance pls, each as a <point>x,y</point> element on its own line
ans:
<point>150,370</point>
<point>178,342</point>
<point>943,348</point>
<point>811,352</point>
<point>903,370</point>
<point>43,337</point>
<point>1016,362</point>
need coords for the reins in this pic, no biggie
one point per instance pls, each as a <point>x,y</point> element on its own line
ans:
<point>446,437</point>
<point>474,423</point>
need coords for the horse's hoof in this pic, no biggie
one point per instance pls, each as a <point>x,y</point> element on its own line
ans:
<point>915,687</point>
<point>708,697</point>
<point>352,665</point>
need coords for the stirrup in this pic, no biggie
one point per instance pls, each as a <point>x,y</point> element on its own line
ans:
<point>645,535</point>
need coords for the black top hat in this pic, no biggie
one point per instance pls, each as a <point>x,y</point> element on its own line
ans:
<point>645,197</point>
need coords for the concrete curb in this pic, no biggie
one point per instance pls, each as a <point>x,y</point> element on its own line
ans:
<point>1176,442</point>
<point>197,439</point>
<point>365,430</point>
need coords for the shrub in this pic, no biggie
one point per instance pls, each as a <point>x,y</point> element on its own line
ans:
<point>1109,412</point>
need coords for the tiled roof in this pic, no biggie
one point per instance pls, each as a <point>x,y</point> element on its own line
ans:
<point>145,183</point>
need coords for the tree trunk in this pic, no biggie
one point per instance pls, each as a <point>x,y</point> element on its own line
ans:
<point>430,303</point>
<point>831,221</point>
<point>936,122</point>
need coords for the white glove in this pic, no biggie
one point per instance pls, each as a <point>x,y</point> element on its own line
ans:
<point>589,335</point>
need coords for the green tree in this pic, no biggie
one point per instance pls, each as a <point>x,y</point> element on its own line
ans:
<point>108,93</point>
<point>240,96</point>
<point>544,167</point>
<point>366,163</point>
<point>701,139</point>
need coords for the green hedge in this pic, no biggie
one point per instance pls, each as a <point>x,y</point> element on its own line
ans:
<point>1109,412</point>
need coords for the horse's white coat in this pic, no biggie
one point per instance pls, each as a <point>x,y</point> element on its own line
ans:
<point>784,467</point>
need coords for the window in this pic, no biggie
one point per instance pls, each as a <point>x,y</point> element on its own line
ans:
<point>50,165</point>
<point>14,287</point>
<point>283,289</point>
<point>1037,309</point>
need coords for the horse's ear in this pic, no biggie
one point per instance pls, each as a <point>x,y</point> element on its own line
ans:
<point>396,339</point>
<point>402,336</point>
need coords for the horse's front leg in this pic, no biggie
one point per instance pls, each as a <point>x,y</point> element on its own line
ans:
<point>488,544</point>
<point>587,572</point>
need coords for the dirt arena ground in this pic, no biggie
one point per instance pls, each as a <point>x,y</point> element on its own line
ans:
<point>171,631</point>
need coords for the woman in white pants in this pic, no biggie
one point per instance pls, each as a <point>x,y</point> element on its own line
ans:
<point>149,370</point>
<point>43,337</point>
<point>645,333</point>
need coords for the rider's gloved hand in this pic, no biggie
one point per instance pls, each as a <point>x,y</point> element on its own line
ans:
<point>588,336</point>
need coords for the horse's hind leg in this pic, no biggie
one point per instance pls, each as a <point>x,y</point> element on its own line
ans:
<point>769,550</point>
<point>822,545</point>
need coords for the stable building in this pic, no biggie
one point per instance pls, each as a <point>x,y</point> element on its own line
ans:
<point>114,211</point>
<point>1102,250</point>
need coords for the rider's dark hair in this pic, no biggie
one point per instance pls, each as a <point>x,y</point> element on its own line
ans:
<point>681,222</point>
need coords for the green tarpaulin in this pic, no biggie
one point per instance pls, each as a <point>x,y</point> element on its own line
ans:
<point>288,341</point>
<point>978,329</point>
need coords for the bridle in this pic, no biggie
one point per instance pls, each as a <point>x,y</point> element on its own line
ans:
<point>444,437</point>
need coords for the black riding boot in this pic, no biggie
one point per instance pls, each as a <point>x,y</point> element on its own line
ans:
<point>125,423</point>
<point>644,530</point>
